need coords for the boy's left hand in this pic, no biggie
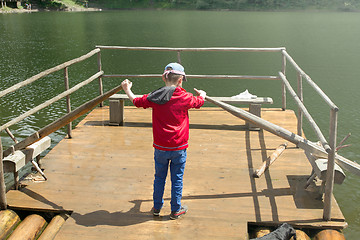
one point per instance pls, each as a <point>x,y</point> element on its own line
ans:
<point>200,93</point>
<point>126,85</point>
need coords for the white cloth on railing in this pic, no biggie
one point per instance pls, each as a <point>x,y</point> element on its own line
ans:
<point>244,95</point>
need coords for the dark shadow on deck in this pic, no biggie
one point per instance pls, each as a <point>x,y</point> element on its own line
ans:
<point>302,198</point>
<point>103,217</point>
<point>41,198</point>
<point>135,216</point>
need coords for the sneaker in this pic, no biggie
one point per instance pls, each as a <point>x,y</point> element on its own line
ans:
<point>155,212</point>
<point>175,215</point>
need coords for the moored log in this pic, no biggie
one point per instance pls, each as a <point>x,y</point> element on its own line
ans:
<point>53,228</point>
<point>8,222</point>
<point>300,235</point>
<point>29,228</point>
<point>329,234</point>
<point>261,231</point>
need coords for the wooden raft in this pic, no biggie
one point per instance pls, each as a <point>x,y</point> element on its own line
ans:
<point>104,174</point>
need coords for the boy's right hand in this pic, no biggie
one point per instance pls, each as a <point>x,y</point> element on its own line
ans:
<point>126,85</point>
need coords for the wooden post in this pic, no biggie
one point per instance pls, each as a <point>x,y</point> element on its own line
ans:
<point>279,150</point>
<point>3,203</point>
<point>11,135</point>
<point>330,166</point>
<point>179,57</point>
<point>300,113</point>
<point>68,104</point>
<point>101,91</point>
<point>283,89</point>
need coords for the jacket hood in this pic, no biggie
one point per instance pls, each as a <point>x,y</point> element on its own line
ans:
<point>161,95</point>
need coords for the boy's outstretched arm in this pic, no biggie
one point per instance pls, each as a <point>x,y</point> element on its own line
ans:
<point>126,85</point>
<point>200,93</point>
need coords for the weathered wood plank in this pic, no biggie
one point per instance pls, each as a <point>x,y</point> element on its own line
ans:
<point>107,180</point>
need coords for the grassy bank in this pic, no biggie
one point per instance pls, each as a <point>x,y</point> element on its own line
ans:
<point>242,5</point>
<point>338,5</point>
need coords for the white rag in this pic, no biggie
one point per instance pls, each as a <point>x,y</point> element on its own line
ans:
<point>244,95</point>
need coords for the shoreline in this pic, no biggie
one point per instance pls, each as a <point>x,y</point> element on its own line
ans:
<point>69,9</point>
<point>94,9</point>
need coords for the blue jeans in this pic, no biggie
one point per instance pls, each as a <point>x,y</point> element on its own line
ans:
<point>177,160</point>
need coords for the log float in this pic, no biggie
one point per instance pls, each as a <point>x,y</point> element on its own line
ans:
<point>300,235</point>
<point>53,228</point>
<point>287,135</point>
<point>29,228</point>
<point>266,164</point>
<point>329,234</point>
<point>9,220</point>
<point>262,231</point>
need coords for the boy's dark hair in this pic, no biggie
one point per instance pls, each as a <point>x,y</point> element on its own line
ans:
<point>172,77</point>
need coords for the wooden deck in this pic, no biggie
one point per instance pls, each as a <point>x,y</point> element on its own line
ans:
<point>104,174</point>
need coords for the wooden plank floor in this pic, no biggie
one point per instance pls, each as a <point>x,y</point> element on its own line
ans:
<point>104,174</point>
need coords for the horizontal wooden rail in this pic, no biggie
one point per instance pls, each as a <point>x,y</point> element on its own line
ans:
<point>287,135</point>
<point>50,101</point>
<point>61,122</point>
<point>310,81</point>
<point>300,104</point>
<point>196,76</point>
<point>211,49</point>
<point>47,72</point>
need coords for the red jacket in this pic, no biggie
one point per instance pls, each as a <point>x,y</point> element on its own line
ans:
<point>170,119</point>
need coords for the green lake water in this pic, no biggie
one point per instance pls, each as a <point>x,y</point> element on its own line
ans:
<point>326,45</point>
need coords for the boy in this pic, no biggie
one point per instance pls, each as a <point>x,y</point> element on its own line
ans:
<point>170,105</point>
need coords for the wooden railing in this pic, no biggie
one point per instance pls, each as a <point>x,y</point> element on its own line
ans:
<point>57,124</point>
<point>328,147</point>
